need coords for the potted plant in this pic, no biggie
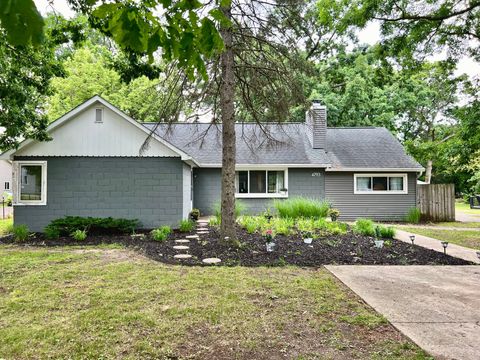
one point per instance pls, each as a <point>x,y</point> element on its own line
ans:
<point>334,214</point>
<point>270,244</point>
<point>307,237</point>
<point>283,191</point>
<point>194,214</point>
<point>378,234</point>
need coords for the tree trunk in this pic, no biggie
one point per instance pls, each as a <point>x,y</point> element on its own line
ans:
<point>227,110</point>
<point>428,172</point>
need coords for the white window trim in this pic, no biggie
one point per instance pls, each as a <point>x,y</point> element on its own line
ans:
<point>263,195</point>
<point>391,192</point>
<point>17,180</point>
<point>101,115</point>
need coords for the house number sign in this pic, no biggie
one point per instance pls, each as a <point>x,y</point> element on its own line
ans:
<point>316,174</point>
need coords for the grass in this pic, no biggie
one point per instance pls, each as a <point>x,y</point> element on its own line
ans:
<point>464,207</point>
<point>298,207</point>
<point>413,216</point>
<point>111,303</point>
<point>456,224</point>
<point>467,238</point>
<point>5,226</point>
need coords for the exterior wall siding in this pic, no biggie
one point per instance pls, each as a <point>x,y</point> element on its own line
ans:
<point>387,207</point>
<point>187,190</point>
<point>148,189</point>
<point>301,182</point>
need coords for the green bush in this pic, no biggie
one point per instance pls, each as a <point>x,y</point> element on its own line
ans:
<point>186,225</point>
<point>299,207</point>
<point>282,226</point>
<point>161,234</point>
<point>79,235</point>
<point>214,221</point>
<point>20,232</point>
<point>387,232</point>
<point>364,227</point>
<point>249,223</point>
<point>51,233</point>
<point>239,209</point>
<point>98,226</point>
<point>413,215</point>
<point>194,214</point>
<point>336,228</point>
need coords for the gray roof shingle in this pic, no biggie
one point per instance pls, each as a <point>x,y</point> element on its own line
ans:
<point>288,144</point>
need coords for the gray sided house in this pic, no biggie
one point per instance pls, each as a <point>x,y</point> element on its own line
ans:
<point>101,163</point>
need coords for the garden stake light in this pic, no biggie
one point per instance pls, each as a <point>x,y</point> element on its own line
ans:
<point>445,244</point>
<point>412,238</point>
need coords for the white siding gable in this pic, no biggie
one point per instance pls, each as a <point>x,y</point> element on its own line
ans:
<point>84,135</point>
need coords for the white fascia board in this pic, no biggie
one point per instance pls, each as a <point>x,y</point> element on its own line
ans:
<point>72,113</point>
<point>267,166</point>
<point>375,169</point>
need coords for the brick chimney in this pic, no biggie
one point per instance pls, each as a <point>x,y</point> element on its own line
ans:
<point>316,121</point>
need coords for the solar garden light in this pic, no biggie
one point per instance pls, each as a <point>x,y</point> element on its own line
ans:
<point>445,244</point>
<point>412,238</point>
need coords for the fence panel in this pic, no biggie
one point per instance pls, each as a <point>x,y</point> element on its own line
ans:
<point>436,201</point>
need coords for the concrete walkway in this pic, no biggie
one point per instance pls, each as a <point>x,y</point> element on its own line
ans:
<point>466,217</point>
<point>434,244</point>
<point>438,307</point>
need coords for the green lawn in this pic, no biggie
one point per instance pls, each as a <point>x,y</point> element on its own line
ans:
<point>467,238</point>
<point>111,303</point>
<point>460,205</point>
<point>456,224</point>
<point>5,225</point>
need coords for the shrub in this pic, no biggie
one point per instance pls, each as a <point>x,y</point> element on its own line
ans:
<point>20,232</point>
<point>99,226</point>
<point>301,207</point>
<point>194,214</point>
<point>51,233</point>
<point>387,232</point>
<point>413,215</point>
<point>186,225</point>
<point>239,209</point>
<point>79,235</point>
<point>249,223</point>
<point>161,234</point>
<point>364,227</point>
<point>282,226</point>
<point>336,228</point>
<point>334,214</point>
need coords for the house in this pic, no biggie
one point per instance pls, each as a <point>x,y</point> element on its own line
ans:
<point>99,163</point>
<point>5,176</point>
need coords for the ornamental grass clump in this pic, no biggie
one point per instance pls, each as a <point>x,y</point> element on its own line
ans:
<point>413,216</point>
<point>20,233</point>
<point>299,207</point>
<point>161,234</point>
<point>364,227</point>
<point>186,225</point>
<point>79,235</point>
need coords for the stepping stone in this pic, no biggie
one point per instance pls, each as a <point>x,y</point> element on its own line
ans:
<point>182,256</point>
<point>211,261</point>
<point>181,247</point>
<point>202,232</point>
<point>182,241</point>
<point>192,236</point>
<point>202,229</point>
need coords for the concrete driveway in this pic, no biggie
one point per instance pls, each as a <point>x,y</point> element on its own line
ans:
<point>438,307</point>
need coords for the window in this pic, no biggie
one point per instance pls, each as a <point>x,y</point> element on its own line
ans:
<point>380,183</point>
<point>7,185</point>
<point>261,183</point>
<point>31,184</point>
<point>99,115</point>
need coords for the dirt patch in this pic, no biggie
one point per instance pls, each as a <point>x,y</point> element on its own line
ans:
<point>334,249</point>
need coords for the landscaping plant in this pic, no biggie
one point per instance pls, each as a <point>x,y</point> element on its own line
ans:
<point>413,216</point>
<point>298,207</point>
<point>364,227</point>
<point>20,232</point>
<point>334,214</point>
<point>194,214</point>
<point>79,235</point>
<point>186,225</point>
<point>161,234</point>
<point>239,209</point>
<point>68,224</point>
<point>51,233</point>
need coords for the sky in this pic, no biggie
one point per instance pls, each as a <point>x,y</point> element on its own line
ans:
<point>369,35</point>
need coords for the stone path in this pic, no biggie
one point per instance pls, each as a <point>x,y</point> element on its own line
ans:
<point>182,256</point>
<point>211,261</point>
<point>438,307</point>
<point>434,244</point>
<point>181,247</point>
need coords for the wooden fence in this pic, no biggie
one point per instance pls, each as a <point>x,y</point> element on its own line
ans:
<point>436,201</point>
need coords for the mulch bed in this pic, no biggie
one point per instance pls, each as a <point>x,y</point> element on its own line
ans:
<point>343,249</point>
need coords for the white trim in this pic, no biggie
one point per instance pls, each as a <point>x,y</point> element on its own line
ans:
<point>18,183</point>
<point>377,169</point>
<point>266,194</point>
<point>71,114</point>
<point>387,175</point>
<point>267,166</point>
